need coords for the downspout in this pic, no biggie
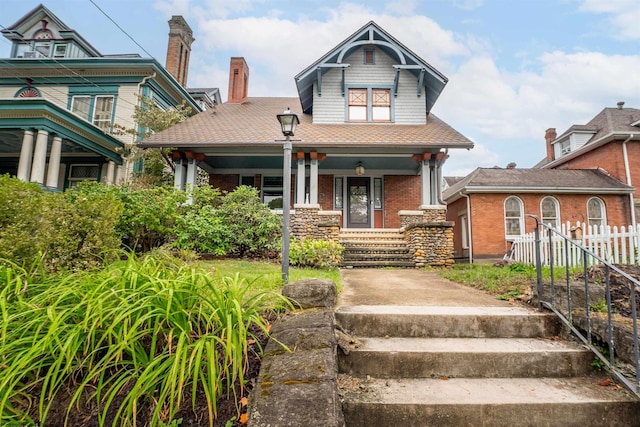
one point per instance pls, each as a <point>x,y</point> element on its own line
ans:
<point>627,172</point>
<point>469,237</point>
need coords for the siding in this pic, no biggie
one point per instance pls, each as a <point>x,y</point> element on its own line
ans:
<point>125,108</point>
<point>330,107</point>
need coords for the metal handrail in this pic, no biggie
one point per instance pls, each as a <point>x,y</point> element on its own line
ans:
<point>568,320</point>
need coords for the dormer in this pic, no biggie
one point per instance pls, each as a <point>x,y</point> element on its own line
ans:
<point>369,78</point>
<point>572,140</point>
<point>40,34</point>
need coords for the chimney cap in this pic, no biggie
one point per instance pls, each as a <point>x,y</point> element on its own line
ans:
<point>620,105</point>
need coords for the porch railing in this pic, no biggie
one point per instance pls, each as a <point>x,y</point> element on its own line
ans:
<point>565,246</point>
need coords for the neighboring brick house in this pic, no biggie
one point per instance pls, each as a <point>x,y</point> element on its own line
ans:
<point>611,141</point>
<point>367,147</point>
<point>590,175</point>
<point>489,205</point>
<point>60,99</point>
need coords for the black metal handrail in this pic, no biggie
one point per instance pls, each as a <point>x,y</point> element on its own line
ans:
<point>634,285</point>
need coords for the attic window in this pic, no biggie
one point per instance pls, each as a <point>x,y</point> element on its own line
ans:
<point>369,56</point>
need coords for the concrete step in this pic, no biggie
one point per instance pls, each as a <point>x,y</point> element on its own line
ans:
<point>466,357</point>
<point>491,402</point>
<point>446,322</point>
<point>376,255</point>
<point>361,263</point>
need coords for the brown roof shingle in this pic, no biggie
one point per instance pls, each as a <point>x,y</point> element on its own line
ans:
<point>254,122</point>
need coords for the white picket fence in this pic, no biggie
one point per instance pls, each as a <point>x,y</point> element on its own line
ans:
<point>614,245</point>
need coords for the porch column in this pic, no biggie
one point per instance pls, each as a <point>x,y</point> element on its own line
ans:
<point>313,179</point>
<point>300,180</point>
<point>425,181</point>
<point>40,157</point>
<point>26,156</point>
<point>180,176</point>
<point>53,171</point>
<point>192,174</point>
<point>111,172</point>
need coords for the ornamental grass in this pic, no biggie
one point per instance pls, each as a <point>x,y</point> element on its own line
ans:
<point>139,339</point>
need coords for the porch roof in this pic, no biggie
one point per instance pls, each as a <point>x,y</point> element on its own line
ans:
<point>254,123</point>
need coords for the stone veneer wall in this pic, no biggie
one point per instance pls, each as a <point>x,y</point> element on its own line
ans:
<point>429,236</point>
<point>308,221</point>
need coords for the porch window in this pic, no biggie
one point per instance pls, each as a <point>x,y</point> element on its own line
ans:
<point>377,193</point>
<point>337,191</point>
<point>550,211</point>
<point>513,217</point>
<point>596,212</point>
<point>272,191</point>
<point>248,180</point>
<point>78,173</point>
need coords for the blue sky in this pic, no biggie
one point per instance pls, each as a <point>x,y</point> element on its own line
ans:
<point>515,68</point>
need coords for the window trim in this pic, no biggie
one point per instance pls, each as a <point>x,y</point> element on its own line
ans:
<point>556,206</point>
<point>520,218</point>
<point>603,211</point>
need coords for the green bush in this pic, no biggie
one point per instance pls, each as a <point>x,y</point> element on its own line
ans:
<point>315,253</point>
<point>254,231</point>
<point>203,231</point>
<point>150,216</point>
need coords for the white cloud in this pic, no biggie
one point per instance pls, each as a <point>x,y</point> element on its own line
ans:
<point>463,162</point>
<point>624,16</point>
<point>468,4</point>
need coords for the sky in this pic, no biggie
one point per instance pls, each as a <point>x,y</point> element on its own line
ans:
<point>515,67</point>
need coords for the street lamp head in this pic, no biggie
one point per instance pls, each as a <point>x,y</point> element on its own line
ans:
<point>288,120</point>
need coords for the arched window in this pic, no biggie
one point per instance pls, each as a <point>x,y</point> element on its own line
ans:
<point>513,217</point>
<point>596,212</point>
<point>550,211</point>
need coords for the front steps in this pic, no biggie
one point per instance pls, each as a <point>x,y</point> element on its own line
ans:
<point>471,366</point>
<point>375,248</point>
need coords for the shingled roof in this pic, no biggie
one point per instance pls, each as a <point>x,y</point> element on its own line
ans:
<point>254,123</point>
<point>552,181</point>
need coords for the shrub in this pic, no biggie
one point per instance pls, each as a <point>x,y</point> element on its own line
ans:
<point>203,231</point>
<point>315,253</point>
<point>149,216</point>
<point>253,229</point>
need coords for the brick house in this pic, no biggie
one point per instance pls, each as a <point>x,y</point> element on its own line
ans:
<point>589,175</point>
<point>60,99</point>
<point>367,153</point>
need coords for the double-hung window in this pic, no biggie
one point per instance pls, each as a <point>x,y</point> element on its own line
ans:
<point>596,212</point>
<point>369,105</point>
<point>513,217</point>
<point>98,109</point>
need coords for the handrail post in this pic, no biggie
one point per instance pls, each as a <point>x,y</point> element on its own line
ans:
<point>538,260</point>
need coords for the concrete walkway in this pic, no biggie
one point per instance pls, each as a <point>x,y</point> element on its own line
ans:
<point>409,288</point>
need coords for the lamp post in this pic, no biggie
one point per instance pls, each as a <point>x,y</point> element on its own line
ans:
<point>288,121</point>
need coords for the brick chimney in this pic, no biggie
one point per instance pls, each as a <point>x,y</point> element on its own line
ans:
<point>179,49</point>
<point>238,81</point>
<point>550,135</point>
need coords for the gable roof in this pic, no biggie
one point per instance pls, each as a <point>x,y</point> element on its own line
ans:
<point>371,34</point>
<point>16,31</point>
<point>551,181</point>
<point>254,123</point>
<point>609,125</point>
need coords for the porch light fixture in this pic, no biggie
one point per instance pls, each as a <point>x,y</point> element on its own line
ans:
<point>288,121</point>
<point>359,169</point>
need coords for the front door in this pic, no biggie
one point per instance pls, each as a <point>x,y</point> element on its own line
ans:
<point>359,208</point>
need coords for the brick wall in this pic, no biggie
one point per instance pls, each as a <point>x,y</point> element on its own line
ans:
<point>401,192</point>
<point>453,215</point>
<point>224,182</point>
<point>487,212</point>
<point>325,192</point>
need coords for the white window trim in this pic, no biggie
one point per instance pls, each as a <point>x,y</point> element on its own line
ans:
<point>511,237</point>
<point>603,211</point>
<point>557,209</point>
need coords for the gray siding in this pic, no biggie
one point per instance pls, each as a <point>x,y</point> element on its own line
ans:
<point>330,107</point>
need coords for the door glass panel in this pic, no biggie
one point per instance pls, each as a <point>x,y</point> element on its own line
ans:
<point>358,205</point>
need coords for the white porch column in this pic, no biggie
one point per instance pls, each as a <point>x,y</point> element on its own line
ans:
<point>111,172</point>
<point>313,182</point>
<point>40,157</point>
<point>192,174</point>
<point>180,177</point>
<point>300,181</point>
<point>53,170</point>
<point>425,183</point>
<point>26,156</point>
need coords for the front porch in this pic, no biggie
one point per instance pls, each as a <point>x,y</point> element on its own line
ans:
<point>425,238</point>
